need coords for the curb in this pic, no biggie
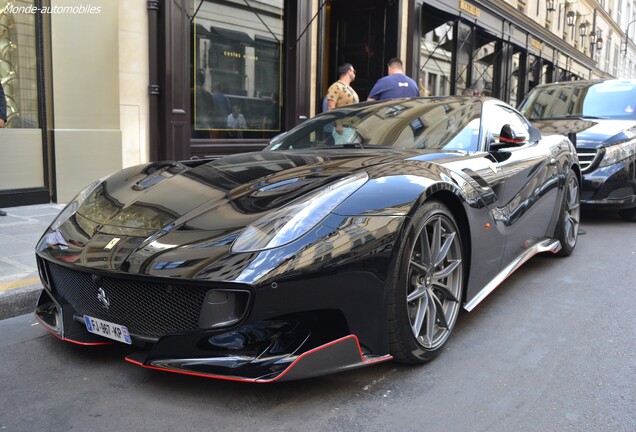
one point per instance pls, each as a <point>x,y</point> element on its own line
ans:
<point>20,299</point>
<point>20,230</point>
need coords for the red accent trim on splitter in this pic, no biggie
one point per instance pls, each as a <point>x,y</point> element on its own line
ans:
<point>264,381</point>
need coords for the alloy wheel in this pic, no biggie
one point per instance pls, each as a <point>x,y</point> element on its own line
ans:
<point>434,281</point>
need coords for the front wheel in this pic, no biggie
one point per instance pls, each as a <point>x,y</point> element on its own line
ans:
<point>426,293</point>
<point>567,230</point>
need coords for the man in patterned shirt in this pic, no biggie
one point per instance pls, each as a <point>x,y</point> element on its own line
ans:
<point>340,93</point>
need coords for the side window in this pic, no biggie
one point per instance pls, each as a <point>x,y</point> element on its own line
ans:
<point>550,102</point>
<point>453,126</point>
<point>467,138</point>
<point>563,102</point>
<point>498,116</point>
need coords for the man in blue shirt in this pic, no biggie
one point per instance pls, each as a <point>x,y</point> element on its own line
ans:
<point>395,85</point>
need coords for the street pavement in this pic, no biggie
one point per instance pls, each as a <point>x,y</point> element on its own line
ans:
<point>20,230</point>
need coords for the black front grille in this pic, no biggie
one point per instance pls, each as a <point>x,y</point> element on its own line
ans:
<point>587,157</point>
<point>147,308</point>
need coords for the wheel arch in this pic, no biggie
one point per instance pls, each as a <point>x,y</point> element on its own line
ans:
<point>566,167</point>
<point>577,170</point>
<point>447,195</point>
<point>572,165</point>
<point>456,207</point>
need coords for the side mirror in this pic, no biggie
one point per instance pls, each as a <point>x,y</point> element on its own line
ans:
<point>511,136</point>
<point>508,137</point>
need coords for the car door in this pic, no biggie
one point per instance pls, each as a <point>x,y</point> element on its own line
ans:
<point>530,174</point>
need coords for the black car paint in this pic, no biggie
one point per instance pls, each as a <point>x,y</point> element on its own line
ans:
<point>301,301</point>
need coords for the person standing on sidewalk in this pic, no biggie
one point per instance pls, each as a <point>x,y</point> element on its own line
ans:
<point>3,120</point>
<point>341,93</point>
<point>395,85</point>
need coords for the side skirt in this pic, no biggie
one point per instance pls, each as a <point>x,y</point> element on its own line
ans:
<point>548,245</point>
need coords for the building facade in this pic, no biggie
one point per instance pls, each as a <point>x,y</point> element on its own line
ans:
<point>96,86</point>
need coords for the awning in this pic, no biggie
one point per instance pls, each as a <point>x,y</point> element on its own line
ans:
<point>266,42</point>
<point>202,31</point>
<point>489,59</point>
<point>231,35</point>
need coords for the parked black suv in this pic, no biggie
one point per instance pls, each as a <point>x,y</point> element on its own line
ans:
<point>599,116</point>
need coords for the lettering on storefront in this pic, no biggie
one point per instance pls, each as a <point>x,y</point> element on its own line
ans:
<point>469,8</point>
<point>536,44</point>
<point>235,54</point>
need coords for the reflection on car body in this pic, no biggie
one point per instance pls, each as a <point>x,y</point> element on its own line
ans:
<point>316,255</point>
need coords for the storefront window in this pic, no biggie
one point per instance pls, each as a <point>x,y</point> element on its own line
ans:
<point>237,69</point>
<point>464,57</point>
<point>535,69</point>
<point>485,56</point>
<point>436,54</point>
<point>18,64</point>
<point>513,83</point>
<point>539,71</point>
<point>546,73</point>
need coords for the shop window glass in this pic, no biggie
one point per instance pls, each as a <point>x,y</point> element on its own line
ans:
<point>546,72</point>
<point>436,55</point>
<point>534,71</point>
<point>18,64</point>
<point>464,56</point>
<point>513,80</point>
<point>486,55</point>
<point>237,69</point>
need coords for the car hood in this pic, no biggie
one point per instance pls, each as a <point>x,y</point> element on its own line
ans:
<point>591,133</point>
<point>159,210</point>
<point>240,188</point>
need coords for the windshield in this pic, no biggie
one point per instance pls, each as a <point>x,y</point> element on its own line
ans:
<point>606,100</point>
<point>611,100</point>
<point>422,123</point>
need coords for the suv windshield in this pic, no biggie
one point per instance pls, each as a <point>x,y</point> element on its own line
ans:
<point>608,100</point>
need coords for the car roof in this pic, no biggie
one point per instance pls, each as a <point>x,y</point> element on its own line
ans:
<point>586,83</point>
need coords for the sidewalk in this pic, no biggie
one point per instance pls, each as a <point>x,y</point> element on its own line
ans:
<point>20,230</point>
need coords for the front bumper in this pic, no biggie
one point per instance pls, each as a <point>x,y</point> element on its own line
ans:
<point>278,350</point>
<point>314,331</point>
<point>610,188</point>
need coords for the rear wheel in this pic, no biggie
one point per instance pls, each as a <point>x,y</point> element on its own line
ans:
<point>425,297</point>
<point>567,230</point>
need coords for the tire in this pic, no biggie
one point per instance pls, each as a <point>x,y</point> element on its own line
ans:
<point>628,215</point>
<point>567,229</point>
<point>426,292</point>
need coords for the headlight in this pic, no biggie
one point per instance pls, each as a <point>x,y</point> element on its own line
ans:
<point>294,220</point>
<point>618,152</point>
<point>72,207</point>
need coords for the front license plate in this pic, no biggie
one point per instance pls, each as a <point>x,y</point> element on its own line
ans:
<point>107,329</point>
